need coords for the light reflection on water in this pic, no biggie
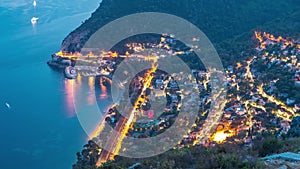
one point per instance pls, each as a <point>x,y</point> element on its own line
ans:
<point>38,130</point>
<point>69,96</point>
<point>86,89</point>
<point>103,87</point>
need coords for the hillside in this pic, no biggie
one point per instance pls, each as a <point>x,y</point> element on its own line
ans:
<point>220,20</point>
<point>262,71</point>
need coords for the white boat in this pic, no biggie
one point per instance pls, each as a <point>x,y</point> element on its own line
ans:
<point>7,105</point>
<point>34,20</point>
<point>34,3</point>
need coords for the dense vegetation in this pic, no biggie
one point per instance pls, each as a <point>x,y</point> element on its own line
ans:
<point>225,156</point>
<point>228,24</point>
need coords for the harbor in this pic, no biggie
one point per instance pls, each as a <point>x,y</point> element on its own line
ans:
<point>84,65</point>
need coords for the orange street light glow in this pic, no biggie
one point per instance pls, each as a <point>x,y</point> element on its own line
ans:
<point>220,136</point>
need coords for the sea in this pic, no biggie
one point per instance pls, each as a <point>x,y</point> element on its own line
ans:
<point>39,128</point>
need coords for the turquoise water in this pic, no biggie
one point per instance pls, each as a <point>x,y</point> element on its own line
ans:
<point>40,130</point>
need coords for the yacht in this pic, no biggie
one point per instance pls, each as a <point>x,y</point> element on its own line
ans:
<point>34,20</point>
<point>34,3</point>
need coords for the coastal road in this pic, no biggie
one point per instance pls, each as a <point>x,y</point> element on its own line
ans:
<point>114,142</point>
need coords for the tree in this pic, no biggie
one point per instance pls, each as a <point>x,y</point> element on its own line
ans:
<point>270,146</point>
<point>295,128</point>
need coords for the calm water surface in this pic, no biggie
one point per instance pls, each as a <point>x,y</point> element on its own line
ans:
<point>41,130</point>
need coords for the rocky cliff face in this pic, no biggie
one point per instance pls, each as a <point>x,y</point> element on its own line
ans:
<point>281,164</point>
<point>218,19</point>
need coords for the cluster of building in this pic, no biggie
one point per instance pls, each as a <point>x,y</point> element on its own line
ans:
<point>252,103</point>
<point>163,89</point>
<point>253,106</point>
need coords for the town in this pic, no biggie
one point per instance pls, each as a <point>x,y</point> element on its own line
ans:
<point>262,95</point>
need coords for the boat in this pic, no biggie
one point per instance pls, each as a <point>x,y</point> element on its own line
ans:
<point>34,3</point>
<point>34,20</point>
<point>7,105</point>
<point>71,72</point>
